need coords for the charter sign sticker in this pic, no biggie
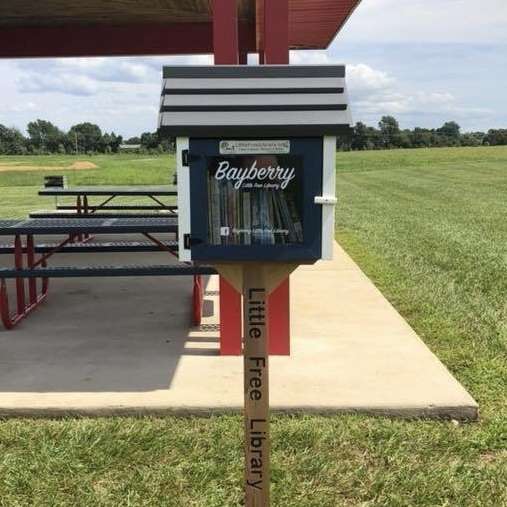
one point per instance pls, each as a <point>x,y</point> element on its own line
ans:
<point>269,147</point>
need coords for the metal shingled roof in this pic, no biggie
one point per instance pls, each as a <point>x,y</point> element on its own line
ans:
<point>251,101</point>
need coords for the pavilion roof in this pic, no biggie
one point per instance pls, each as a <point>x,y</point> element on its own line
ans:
<point>25,25</point>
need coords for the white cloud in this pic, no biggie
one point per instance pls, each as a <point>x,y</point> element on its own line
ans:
<point>374,92</point>
<point>463,21</point>
<point>363,79</point>
<point>89,76</point>
<point>33,82</point>
<point>20,108</point>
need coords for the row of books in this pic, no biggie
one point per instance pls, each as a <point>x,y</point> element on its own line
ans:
<point>252,216</point>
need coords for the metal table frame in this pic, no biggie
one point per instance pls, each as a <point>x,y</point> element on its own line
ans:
<point>111,192</point>
<point>28,266</point>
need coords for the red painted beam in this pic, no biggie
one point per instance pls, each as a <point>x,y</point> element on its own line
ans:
<point>279,320</point>
<point>230,320</point>
<point>276,31</point>
<point>226,51</point>
<point>118,40</point>
<point>273,45</point>
<point>225,32</point>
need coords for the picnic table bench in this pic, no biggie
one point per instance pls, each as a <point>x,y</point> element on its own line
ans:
<point>82,195</point>
<point>83,207</point>
<point>67,214</point>
<point>112,191</point>
<point>33,268</point>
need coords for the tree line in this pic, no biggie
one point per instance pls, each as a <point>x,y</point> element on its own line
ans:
<point>388,135</point>
<point>87,138</point>
<point>84,138</point>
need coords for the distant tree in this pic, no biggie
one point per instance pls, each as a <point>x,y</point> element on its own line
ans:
<point>404,139</point>
<point>105,143</point>
<point>449,134</point>
<point>168,144</point>
<point>44,136</point>
<point>86,137</point>
<point>496,137</point>
<point>472,139</point>
<point>150,141</point>
<point>375,141</point>
<point>115,142</point>
<point>359,136</point>
<point>450,129</point>
<point>421,138</point>
<point>133,140</point>
<point>389,131</point>
<point>12,141</point>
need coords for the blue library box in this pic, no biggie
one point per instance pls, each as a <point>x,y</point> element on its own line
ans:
<point>256,150</point>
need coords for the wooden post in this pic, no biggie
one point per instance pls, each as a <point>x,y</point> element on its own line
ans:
<point>273,35</point>
<point>230,319</point>
<point>276,31</point>
<point>256,385</point>
<point>226,52</point>
<point>225,32</point>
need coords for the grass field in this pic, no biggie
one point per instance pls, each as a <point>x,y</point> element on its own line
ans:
<point>430,228</point>
<point>18,190</point>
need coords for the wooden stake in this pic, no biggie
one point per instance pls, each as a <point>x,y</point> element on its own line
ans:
<point>256,384</point>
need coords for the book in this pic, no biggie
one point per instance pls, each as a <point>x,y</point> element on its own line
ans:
<point>253,213</point>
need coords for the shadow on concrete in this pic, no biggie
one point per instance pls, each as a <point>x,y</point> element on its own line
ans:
<point>103,334</point>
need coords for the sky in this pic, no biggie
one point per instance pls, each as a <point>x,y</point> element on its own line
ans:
<point>423,61</point>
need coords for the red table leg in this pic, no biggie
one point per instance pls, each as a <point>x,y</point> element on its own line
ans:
<point>79,211</point>
<point>20,282</point>
<point>8,320</point>
<point>30,258</point>
<point>85,210</point>
<point>198,299</point>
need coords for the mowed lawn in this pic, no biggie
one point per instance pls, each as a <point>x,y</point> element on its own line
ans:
<point>430,228</point>
<point>18,189</point>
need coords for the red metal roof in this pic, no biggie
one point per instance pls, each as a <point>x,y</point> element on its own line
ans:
<point>36,28</point>
<point>315,23</point>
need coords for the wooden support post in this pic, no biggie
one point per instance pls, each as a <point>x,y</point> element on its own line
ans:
<point>256,385</point>
<point>230,319</point>
<point>225,32</point>
<point>275,42</point>
<point>226,52</point>
<point>279,320</point>
<point>276,31</point>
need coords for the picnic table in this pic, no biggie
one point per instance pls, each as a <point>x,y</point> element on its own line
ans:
<point>32,268</point>
<point>84,208</point>
<point>82,195</point>
<point>114,191</point>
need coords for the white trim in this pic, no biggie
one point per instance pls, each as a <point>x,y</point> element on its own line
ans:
<point>260,82</point>
<point>328,190</point>
<point>254,99</point>
<point>246,118</point>
<point>184,227</point>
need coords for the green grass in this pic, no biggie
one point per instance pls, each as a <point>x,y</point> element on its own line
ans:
<point>112,170</point>
<point>430,228</point>
<point>18,189</point>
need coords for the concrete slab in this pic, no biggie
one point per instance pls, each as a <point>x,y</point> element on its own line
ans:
<point>123,346</point>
